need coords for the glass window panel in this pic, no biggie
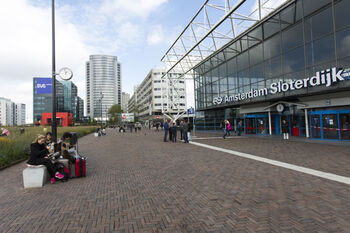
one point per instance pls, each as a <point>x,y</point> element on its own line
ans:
<point>231,66</point>
<point>215,75</point>
<point>324,49</point>
<point>344,126</point>
<point>257,73</point>
<point>294,60</point>
<point>292,37</point>
<point>342,18</point>
<point>319,25</point>
<point>288,16</point>
<point>299,10</point>
<point>271,26</point>
<point>273,67</point>
<point>222,70</point>
<point>244,42</point>
<point>232,82</point>
<point>255,36</point>
<point>242,61</point>
<point>223,85</point>
<point>343,43</point>
<point>243,78</point>
<point>312,5</point>
<point>256,55</point>
<point>272,47</point>
<point>215,87</point>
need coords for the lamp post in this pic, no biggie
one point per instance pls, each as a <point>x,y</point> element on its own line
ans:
<point>65,73</point>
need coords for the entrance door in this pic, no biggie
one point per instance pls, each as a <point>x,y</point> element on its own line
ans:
<point>315,126</point>
<point>261,125</point>
<point>250,126</point>
<point>295,125</point>
<point>330,126</point>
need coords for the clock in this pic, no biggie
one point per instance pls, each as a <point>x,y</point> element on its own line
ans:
<point>65,73</point>
<point>280,107</point>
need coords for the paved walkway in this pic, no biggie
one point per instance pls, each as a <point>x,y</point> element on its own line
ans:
<point>137,183</point>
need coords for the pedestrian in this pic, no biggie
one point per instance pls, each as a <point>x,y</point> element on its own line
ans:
<point>4,132</point>
<point>285,129</point>
<point>157,126</point>
<point>166,130</point>
<point>185,131</point>
<point>224,128</point>
<point>228,128</point>
<point>170,131</point>
<point>173,132</point>
<point>239,127</point>
<point>181,129</point>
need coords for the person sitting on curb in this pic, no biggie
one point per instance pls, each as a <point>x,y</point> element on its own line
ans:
<point>4,132</point>
<point>39,156</point>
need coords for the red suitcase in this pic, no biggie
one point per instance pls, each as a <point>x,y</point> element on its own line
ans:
<point>80,167</point>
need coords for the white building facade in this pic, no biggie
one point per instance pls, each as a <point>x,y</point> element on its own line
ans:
<point>11,113</point>
<point>103,85</point>
<point>125,101</point>
<point>156,95</point>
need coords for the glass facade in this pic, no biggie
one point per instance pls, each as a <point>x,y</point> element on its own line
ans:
<point>300,39</point>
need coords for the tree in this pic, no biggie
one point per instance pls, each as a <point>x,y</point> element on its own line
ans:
<point>114,113</point>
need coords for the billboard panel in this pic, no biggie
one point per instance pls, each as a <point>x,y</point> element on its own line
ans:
<point>128,117</point>
<point>43,85</point>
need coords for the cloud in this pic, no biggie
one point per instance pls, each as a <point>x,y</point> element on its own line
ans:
<point>25,48</point>
<point>120,10</point>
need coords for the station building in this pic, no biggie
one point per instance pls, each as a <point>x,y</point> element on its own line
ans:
<point>293,65</point>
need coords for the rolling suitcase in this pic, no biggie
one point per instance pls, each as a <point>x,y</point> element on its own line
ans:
<point>80,167</point>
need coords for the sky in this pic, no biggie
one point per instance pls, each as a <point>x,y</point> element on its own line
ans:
<point>138,32</point>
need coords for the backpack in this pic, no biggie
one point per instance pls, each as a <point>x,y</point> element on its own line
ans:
<point>63,170</point>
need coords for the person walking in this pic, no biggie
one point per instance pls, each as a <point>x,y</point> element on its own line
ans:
<point>181,129</point>
<point>224,128</point>
<point>239,127</point>
<point>185,131</point>
<point>228,128</point>
<point>170,132</point>
<point>173,132</point>
<point>285,129</point>
<point>166,130</point>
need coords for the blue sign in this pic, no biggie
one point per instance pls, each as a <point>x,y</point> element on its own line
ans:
<point>43,85</point>
<point>190,111</point>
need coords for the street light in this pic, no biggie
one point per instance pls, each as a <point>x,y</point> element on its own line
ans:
<point>65,73</point>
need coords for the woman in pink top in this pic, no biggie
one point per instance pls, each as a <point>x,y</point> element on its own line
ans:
<point>5,132</point>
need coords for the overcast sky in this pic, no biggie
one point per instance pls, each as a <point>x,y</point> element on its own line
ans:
<point>138,32</point>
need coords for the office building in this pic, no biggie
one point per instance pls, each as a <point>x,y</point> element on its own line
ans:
<point>103,85</point>
<point>66,98</point>
<point>12,113</point>
<point>125,101</point>
<point>293,65</point>
<point>151,97</point>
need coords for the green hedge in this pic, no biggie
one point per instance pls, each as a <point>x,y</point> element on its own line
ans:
<point>16,146</point>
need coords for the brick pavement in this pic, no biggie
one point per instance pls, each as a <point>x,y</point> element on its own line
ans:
<point>137,183</point>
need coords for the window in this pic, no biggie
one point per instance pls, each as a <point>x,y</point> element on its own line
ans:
<point>342,18</point>
<point>255,36</point>
<point>271,26</point>
<point>242,61</point>
<point>292,37</point>
<point>294,60</point>
<point>272,47</point>
<point>273,67</point>
<point>343,43</point>
<point>319,25</point>
<point>312,5</point>
<point>323,49</point>
<point>256,55</point>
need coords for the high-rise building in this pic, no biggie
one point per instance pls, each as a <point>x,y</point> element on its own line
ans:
<point>125,101</point>
<point>152,96</point>
<point>66,95</point>
<point>78,108</point>
<point>103,85</point>
<point>20,116</point>
<point>11,113</point>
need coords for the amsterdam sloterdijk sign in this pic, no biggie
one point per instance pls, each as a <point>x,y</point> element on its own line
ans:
<point>325,77</point>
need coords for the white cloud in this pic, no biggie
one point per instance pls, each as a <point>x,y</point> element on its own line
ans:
<point>120,10</point>
<point>156,35</point>
<point>25,48</point>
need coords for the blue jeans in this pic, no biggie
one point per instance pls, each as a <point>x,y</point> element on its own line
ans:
<point>185,136</point>
<point>225,133</point>
<point>165,135</point>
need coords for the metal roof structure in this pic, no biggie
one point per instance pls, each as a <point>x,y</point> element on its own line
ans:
<point>215,24</point>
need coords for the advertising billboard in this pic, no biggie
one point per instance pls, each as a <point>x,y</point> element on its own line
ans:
<point>128,117</point>
<point>43,85</point>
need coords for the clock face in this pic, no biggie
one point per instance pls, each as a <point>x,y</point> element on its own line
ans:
<point>65,73</point>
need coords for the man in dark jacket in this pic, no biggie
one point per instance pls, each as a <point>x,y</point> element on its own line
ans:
<point>185,131</point>
<point>166,130</point>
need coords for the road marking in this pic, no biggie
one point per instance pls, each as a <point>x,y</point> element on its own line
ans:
<point>229,137</point>
<point>325,175</point>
